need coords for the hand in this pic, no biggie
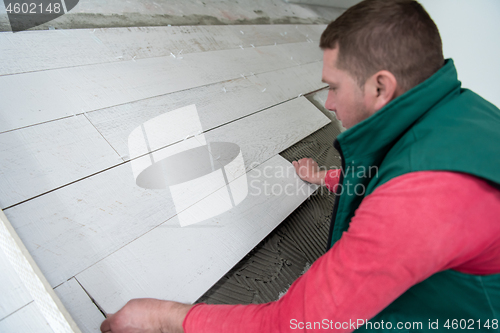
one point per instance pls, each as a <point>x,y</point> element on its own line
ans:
<point>147,315</point>
<point>308,170</point>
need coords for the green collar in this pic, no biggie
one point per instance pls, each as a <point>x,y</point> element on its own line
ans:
<point>379,131</point>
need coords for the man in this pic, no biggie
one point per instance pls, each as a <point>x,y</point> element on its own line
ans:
<point>415,245</point>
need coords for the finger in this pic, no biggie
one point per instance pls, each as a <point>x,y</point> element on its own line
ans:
<point>299,169</point>
<point>304,162</point>
<point>106,326</point>
<point>303,171</point>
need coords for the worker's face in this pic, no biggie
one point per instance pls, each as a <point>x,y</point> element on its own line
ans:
<point>345,97</point>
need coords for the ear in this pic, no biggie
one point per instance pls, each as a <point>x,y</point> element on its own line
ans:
<point>380,89</point>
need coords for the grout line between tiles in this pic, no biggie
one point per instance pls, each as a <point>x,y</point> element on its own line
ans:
<point>85,115</point>
<point>22,307</point>
<point>91,298</point>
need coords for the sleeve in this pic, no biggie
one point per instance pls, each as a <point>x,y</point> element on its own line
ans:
<point>332,179</point>
<point>406,230</point>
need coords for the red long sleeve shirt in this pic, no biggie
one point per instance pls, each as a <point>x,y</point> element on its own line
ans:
<point>408,229</point>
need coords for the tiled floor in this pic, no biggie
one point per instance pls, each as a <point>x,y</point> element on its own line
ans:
<point>84,177</point>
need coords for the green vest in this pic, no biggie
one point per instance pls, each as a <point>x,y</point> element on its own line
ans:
<point>434,126</point>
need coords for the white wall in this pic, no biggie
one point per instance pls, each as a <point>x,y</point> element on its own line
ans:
<point>470,31</point>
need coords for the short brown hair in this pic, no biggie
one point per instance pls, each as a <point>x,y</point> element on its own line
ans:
<point>394,35</point>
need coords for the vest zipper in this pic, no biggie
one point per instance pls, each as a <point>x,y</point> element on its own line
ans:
<point>336,145</point>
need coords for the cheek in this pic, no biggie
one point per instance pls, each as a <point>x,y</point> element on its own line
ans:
<point>341,101</point>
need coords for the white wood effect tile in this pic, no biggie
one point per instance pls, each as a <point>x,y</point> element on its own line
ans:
<point>317,29</point>
<point>26,319</point>
<point>40,158</point>
<point>280,34</point>
<point>29,51</point>
<point>48,95</point>
<point>80,306</point>
<point>290,53</point>
<point>14,294</point>
<point>216,104</point>
<point>180,264</point>
<point>253,134</point>
<point>72,228</point>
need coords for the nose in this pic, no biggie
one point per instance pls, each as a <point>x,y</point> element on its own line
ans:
<point>330,102</point>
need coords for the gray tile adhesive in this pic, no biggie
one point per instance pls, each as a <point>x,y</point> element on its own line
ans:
<point>271,267</point>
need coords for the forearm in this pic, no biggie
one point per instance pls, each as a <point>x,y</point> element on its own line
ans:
<point>331,179</point>
<point>258,318</point>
